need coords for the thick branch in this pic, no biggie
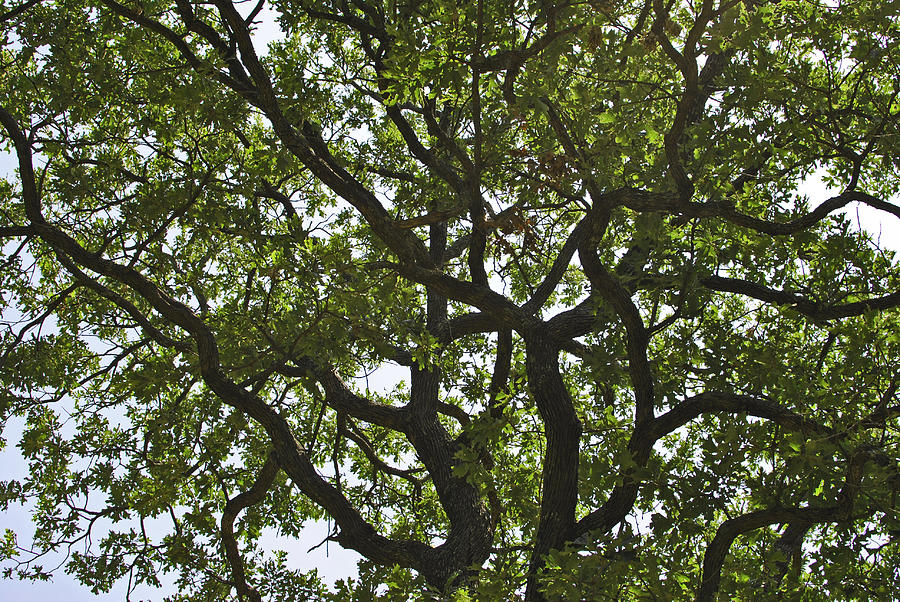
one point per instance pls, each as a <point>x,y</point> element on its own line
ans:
<point>804,305</point>
<point>607,286</point>
<point>340,398</point>
<point>240,85</point>
<point>717,550</point>
<point>622,498</point>
<point>562,429</point>
<point>13,231</point>
<point>641,200</point>
<point>241,501</point>
<point>557,270</point>
<point>732,403</point>
<point>363,443</point>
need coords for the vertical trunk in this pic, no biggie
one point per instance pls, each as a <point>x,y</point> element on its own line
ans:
<point>559,490</point>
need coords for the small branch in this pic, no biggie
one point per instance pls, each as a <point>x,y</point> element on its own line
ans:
<point>352,432</point>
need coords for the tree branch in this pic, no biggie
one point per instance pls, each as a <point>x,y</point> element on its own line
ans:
<point>562,430</point>
<point>804,305</point>
<point>235,505</point>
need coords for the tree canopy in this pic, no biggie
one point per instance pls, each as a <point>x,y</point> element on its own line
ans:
<point>639,362</point>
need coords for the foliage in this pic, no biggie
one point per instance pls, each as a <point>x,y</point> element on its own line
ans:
<point>638,362</point>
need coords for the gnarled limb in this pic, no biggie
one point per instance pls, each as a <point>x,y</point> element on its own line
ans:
<point>562,429</point>
<point>804,305</point>
<point>608,286</point>
<point>728,531</point>
<point>235,505</point>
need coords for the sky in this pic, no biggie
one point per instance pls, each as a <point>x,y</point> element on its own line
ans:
<point>332,562</point>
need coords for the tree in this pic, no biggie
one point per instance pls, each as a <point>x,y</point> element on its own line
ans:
<point>639,363</point>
